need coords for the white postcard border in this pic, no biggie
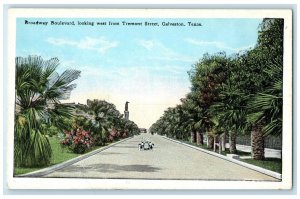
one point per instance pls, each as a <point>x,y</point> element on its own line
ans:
<point>62,183</point>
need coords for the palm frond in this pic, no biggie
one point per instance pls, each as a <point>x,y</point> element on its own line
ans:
<point>38,87</point>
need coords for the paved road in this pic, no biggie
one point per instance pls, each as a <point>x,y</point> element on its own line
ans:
<point>168,160</point>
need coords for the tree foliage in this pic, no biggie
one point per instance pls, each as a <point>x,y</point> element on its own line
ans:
<point>233,93</point>
<point>39,89</point>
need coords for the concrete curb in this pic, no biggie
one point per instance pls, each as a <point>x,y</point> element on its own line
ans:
<point>249,166</point>
<point>53,168</point>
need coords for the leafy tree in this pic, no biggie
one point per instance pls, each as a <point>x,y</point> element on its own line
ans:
<point>207,76</point>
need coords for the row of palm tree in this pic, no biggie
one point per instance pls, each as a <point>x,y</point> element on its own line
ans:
<point>101,118</point>
<point>233,95</point>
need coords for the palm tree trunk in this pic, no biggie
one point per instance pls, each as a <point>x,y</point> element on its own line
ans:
<point>199,138</point>
<point>257,142</point>
<point>232,142</point>
<point>210,141</point>
<point>193,136</point>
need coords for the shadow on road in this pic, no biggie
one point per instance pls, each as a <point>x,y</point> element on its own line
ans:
<point>110,168</point>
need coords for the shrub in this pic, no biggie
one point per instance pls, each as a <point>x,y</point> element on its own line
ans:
<point>114,135</point>
<point>78,141</point>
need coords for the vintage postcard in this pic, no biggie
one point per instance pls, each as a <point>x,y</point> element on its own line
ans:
<point>149,99</point>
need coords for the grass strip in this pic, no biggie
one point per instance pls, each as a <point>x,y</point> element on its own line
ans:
<point>59,155</point>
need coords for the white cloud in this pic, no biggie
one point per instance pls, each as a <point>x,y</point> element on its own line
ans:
<point>119,72</point>
<point>148,44</point>
<point>154,45</point>
<point>217,44</point>
<point>101,45</point>
<point>160,52</point>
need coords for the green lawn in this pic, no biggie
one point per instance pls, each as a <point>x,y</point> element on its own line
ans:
<point>273,164</point>
<point>59,155</point>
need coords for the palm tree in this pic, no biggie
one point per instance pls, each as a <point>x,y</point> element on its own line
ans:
<point>39,90</point>
<point>231,114</point>
<point>107,118</point>
<point>104,114</point>
<point>266,115</point>
<point>207,77</point>
<point>193,121</point>
<point>265,100</point>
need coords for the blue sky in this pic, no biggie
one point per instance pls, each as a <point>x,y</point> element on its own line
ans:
<point>144,65</point>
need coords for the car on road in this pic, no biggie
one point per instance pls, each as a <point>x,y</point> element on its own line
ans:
<point>145,145</point>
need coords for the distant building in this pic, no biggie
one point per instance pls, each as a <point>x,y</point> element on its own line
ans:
<point>143,130</point>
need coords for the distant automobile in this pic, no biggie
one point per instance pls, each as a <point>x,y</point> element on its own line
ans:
<point>145,145</point>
